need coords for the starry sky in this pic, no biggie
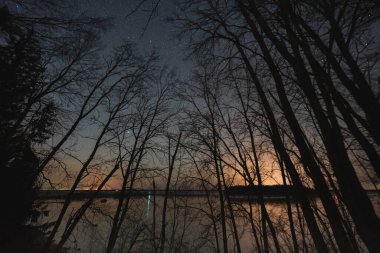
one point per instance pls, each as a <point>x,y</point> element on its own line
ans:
<point>131,22</point>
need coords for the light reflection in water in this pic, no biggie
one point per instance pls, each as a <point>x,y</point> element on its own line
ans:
<point>189,224</point>
<point>148,206</point>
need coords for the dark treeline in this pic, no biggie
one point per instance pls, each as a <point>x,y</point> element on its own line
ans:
<point>267,190</point>
<point>283,92</point>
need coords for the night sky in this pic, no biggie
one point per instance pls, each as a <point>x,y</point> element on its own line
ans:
<point>146,33</point>
<point>159,34</point>
<point>130,20</point>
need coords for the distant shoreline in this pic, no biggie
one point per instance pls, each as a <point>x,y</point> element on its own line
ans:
<point>235,192</point>
<point>81,194</point>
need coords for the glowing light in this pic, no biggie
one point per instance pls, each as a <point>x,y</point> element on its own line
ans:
<point>147,211</point>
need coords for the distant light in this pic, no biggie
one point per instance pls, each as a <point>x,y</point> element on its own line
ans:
<point>147,211</point>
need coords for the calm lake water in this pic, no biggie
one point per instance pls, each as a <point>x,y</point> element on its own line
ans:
<point>190,225</point>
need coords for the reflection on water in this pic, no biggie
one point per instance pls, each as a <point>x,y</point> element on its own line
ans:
<point>191,225</point>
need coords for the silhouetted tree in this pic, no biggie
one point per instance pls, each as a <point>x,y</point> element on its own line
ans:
<point>22,124</point>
